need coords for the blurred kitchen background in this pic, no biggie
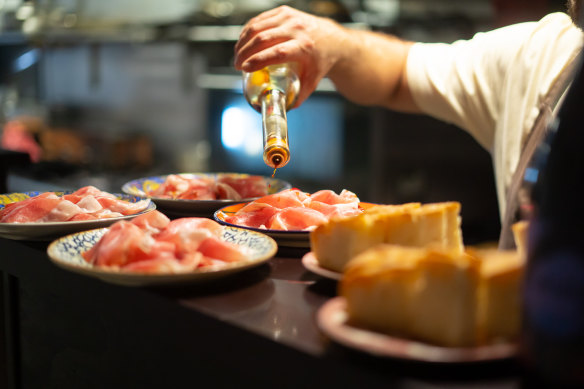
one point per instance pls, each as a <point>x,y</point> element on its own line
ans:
<point>104,91</point>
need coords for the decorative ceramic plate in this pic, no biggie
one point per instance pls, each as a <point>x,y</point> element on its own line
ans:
<point>332,320</point>
<point>186,208</point>
<point>53,230</point>
<point>293,238</point>
<point>311,263</point>
<point>66,252</point>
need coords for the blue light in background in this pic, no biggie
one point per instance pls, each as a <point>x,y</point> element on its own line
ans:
<point>315,134</point>
<point>25,61</point>
<point>241,130</point>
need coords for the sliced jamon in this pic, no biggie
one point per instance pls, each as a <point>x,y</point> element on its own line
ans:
<point>293,209</point>
<point>254,214</point>
<point>246,186</point>
<point>335,210</point>
<point>90,190</point>
<point>87,203</point>
<point>29,210</point>
<point>226,192</point>
<point>164,265</point>
<point>188,233</point>
<point>180,187</point>
<point>114,248</point>
<point>330,197</point>
<point>223,187</point>
<point>218,249</point>
<point>153,244</point>
<point>152,222</point>
<point>121,206</point>
<point>206,192</point>
<point>89,216</point>
<point>296,219</point>
<point>63,211</point>
<point>284,199</point>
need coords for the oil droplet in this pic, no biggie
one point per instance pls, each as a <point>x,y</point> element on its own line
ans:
<point>274,173</point>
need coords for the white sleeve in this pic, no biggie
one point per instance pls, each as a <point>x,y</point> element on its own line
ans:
<point>463,82</point>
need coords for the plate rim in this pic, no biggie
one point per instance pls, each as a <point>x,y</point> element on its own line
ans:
<point>310,262</point>
<point>129,278</point>
<point>331,319</point>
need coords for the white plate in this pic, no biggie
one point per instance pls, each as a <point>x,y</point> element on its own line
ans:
<point>332,320</point>
<point>188,208</point>
<point>311,263</point>
<point>66,253</point>
<point>52,230</point>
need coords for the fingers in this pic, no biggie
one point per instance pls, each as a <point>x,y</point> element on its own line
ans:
<point>265,43</point>
<point>268,29</point>
<point>285,51</point>
<point>256,26</point>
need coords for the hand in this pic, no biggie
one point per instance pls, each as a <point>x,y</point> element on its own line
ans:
<point>285,34</point>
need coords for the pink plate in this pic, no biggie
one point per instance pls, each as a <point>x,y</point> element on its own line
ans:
<point>332,320</point>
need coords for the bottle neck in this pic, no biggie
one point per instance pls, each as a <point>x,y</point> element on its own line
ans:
<point>275,128</point>
<point>273,104</point>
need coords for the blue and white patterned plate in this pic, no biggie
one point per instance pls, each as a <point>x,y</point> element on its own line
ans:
<point>188,208</point>
<point>66,253</point>
<point>52,230</point>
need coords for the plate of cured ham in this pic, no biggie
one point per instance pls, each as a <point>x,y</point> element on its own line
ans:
<point>201,194</point>
<point>49,215</point>
<point>333,321</point>
<point>289,216</point>
<point>153,250</point>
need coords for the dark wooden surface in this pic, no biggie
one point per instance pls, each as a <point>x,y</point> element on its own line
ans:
<point>253,329</point>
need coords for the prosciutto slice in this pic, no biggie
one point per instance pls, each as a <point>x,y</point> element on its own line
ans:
<point>151,243</point>
<point>294,210</point>
<point>87,203</point>
<point>223,187</point>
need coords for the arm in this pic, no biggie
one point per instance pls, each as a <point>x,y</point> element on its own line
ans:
<point>366,67</point>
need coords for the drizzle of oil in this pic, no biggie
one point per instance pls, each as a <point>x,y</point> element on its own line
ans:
<point>273,174</point>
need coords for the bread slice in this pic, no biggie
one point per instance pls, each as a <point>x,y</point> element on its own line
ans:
<point>499,299</point>
<point>444,309</point>
<point>419,293</point>
<point>438,296</point>
<point>412,224</point>
<point>379,286</point>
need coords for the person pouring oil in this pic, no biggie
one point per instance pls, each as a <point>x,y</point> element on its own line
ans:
<point>272,91</point>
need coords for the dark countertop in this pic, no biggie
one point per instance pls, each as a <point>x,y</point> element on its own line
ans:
<point>252,329</point>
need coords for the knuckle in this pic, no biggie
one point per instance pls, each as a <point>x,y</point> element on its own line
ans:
<point>280,52</point>
<point>297,25</point>
<point>308,44</point>
<point>261,38</point>
<point>250,30</point>
<point>285,9</point>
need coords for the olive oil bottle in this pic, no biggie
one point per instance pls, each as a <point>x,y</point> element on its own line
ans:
<point>272,91</point>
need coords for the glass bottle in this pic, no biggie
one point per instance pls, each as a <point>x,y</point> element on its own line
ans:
<point>272,91</point>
